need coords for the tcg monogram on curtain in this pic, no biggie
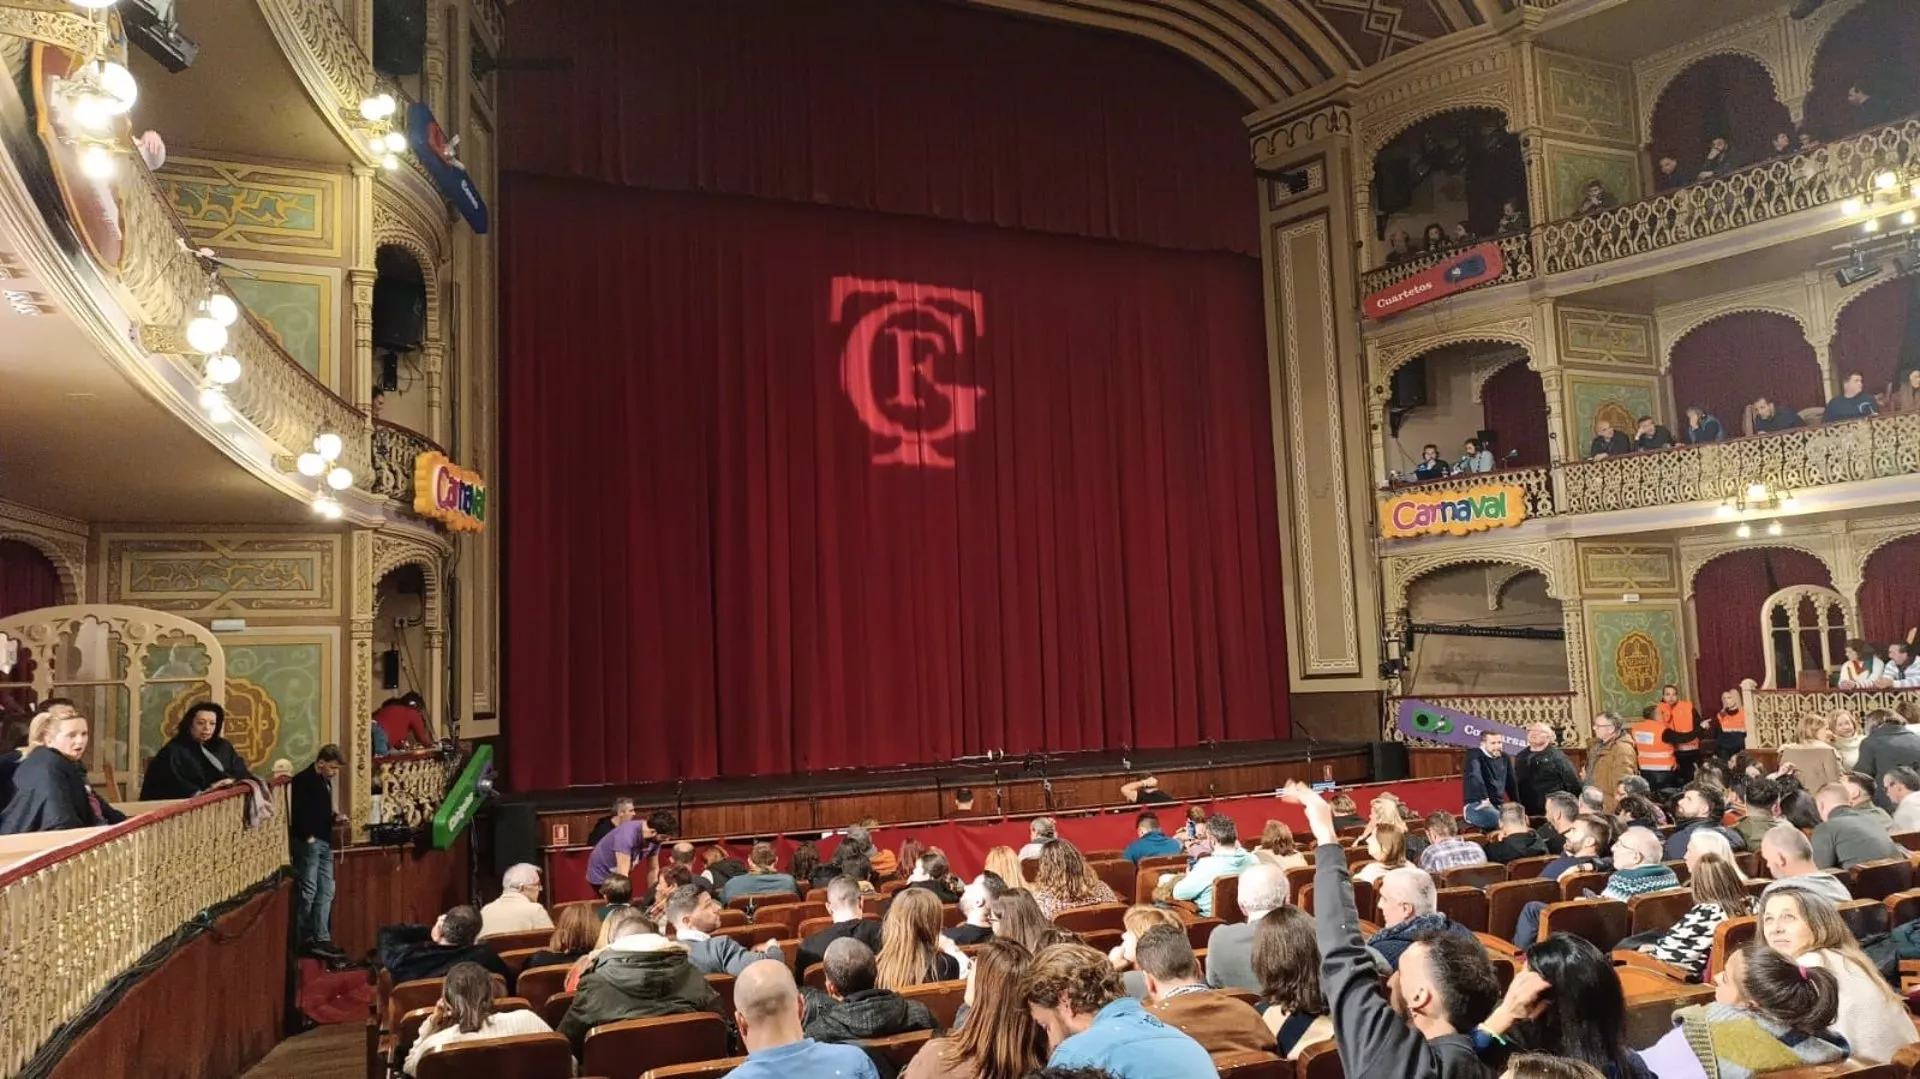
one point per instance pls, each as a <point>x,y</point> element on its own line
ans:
<point>899,366</point>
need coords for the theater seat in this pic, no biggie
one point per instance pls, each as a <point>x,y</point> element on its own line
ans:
<point>1506,899</point>
<point>1102,940</point>
<point>899,1048</point>
<point>723,985</point>
<point>1878,880</point>
<point>1578,884</point>
<point>1658,910</point>
<point>539,983</point>
<point>555,1009</point>
<point>1528,868</point>
<point>1603,922</point>
<point>1226,899</point>
<point>706,1069</point>
<point>502,943</point>
<point>1473,876</point>
<point>752,936</point>
<point>1865,917</point>
<point>1252,1066</point>
<point>1117,874</point>
<point>943,999</point>
<point>788,916</point>
<point>1728,937</point>
<point>1468,906</point>
<point>625,1049</point>
<point>1321,1061</point>
<point>750,903</point>
<point>1200,929</point>
<point>1099,916</point>
<point>1902,907</point>
<point>1298,877</point>
<point>523,1056</point>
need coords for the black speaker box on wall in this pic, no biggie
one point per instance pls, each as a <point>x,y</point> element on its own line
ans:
<point>516,836</point>
<point>1390,762</point>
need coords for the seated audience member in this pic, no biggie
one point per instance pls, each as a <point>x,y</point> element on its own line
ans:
<point>1888,745</point>
<point>518,909</point>
<point>1387,846</point>
<point>1768,417</point>
<point>1861,790</point>
<point>1649,435</point>
<point>999,1040</point>
<point>1767,1015</point>
<point>50,791</point>
<point>1409,911</point>
<point>1263,890</point>
<point>852,1008</point>
<point>1182,999</point>
<point>1718,894</point>
<point>1862,667</point>
<point>1902,670</point>
<point>1700,809</point>
<point>1418,1024</point>
<point>622,813</point>
<point>1434,238</point>
<point>1717,161</point>
<point>1194,838</point>
<point>1516,837</point>
<point>1853,402</point>
<point>1074,994</point>
<point>1286,961</point>
<point>1757,800</point>
<point>1488,782</point>
<point>573,937</point>
<point>632,849</point>
<point>1462,233</point>
<point>1149,841</point>
<point>617,891</point>
<point>1387,809</point>
<point>933,874</point>
<point>885,863</point>
<point>767,1012</point>
<point>762,877</point>
<point>1040,832</point>
<point>412,952</point>
<point>1399,248</point>
<point>1563,810</point>
<point>1594,198</point>
<point>1607,441</point>
<point>1541,769</point>
<point>1445,848</point>
<point>638,975</point>
<point>1016,917</point>
<point>1703,426</point>
<point>1474,457</point>
<point>1065,882</point>
<point>403,720</point>
<point>849,920</point>
<point>1903,790</point>
<point>1639,811</point>
<point>1345,813</point>
<point>195,759</point>
<point>1145,791</point>
<point>1667,174</point>
<point>1431,467</point>
<point>912,951</point>
<point>1806,927</point>
<point>1847,836</point>
<point>911,851</point>
<point>465,1013</point>
<point>1138,919</point>
<point>962,801</point>
<point>1226,859</point>
<point>1906,395</point>
<point>1512,218</point>
<point>1593,800</point>
<point>1277,847</point>
<point>1815,761</point>
<point>1637,868</point>
<point>694,916</point>
<point>976,906</point>
<point>803,865</point>
<point>1567,1002</point>
<point>1586,846</point>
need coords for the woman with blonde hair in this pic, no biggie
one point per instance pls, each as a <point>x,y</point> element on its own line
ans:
<point>1138,920</point>
<point>1277,847</point>
<point>1065,882</point>
<point>1846,738</point>
<point>1388,847</point>
<point>1806,927</point>
<point>1812,756</point>
<point>1000,1040</point>
<point>465,1013</point>
<point>1005,861</point>
<point>910,943</point>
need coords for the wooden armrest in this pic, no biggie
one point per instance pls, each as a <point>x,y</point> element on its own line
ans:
<point>1627,957</point>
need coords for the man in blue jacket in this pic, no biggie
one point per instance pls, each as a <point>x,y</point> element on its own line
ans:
<point>1075,995</point>
<point>1151,842</point>
<point>1490,782</point>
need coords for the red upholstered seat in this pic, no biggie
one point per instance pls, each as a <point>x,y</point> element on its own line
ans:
<point>1658,910</point>
<point>1253,1066</point>
<point>706,1069</point>
<point>899,1048</point>
<point>539,983</point>
<point>1878,880</point>
<point>1099,916</point>
<point>502,943</point>
<point>1321,1061</point>
<point>1473,876</point>
<point>555,1009</point>
<point>1528,868</point>
<point>523,1056</point>
<point>625,1049</point>
<point>1117,874</point>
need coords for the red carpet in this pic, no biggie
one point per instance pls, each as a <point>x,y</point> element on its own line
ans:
<point>341,997</point>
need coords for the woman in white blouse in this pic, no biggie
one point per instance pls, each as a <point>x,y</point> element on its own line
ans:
<point>1847,737</point>
<point>1862,667</point>
<point>1807,926</point>
<point>465,1014</point>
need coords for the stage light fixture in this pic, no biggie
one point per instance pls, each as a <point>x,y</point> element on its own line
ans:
<point>1744,531</point>
<point>1856,271</point>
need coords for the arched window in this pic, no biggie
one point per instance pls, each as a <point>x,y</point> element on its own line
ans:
<point>1803,628</point>
<point>1726,96</point>
<point>1460,170</point>
<point>1871,49</point>
<point>1730,596</point>
<point>1726,364</point>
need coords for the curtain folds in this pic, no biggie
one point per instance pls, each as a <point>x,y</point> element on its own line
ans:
<point>28,579</point>
<point>1729,362</point>
<point>1515,406</point>
<point>1871,332</point>
<point>1729,594</point>
<point>1726,95</point>
<point>1890,592</point>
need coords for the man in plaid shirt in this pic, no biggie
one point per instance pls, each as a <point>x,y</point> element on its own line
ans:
<point>1445,849</point>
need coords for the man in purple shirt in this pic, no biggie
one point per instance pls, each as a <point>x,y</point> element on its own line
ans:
<point>635,843</point>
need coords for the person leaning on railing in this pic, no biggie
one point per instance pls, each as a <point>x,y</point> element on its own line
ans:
<point>50,787</point>
<point>195,759</point>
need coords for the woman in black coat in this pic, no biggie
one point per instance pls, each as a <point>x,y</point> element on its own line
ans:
<point>50,791</point>
<point>195,759</point>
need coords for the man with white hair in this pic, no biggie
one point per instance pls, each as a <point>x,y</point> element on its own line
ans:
<point>1409,910</point>
<point>1789,861</point>
<point>1040,832</point>
<point>1263,890</point>
<point>1847,836</point>
<point>518,909</point>
<point>1542,769</point>
<point>1637,868</point>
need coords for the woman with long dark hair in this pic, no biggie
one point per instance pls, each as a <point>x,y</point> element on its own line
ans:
<point>466,1014</point>
<point>999,1040</point>
<point>1768,1014</point>
<point>196,758</point>
<point>1015,916</point>
<point>1567,1003</point>
<point>910,943</point>
<point>1286,959</point>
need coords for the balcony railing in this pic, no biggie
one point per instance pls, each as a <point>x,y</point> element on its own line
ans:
<point>1822,176</point>
<point>1513,709</point>
<point>1795,460</point>
<point>76,916</point>
<point>1773,715</point>
<point>412,785</point>
<point>395,450</point>
<point>1537,483</point>
<point>1515,249</point>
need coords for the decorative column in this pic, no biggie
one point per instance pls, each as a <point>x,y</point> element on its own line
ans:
<point>1377,425</point>
<point>435,73</point>
<point>1573,624</point>
<point>360,280</point>
<point>359,722</point>
<point>433,361</point>
<point>1823,355</point>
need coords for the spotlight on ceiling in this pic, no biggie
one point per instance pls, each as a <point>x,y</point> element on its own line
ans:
<point>1856,271</point>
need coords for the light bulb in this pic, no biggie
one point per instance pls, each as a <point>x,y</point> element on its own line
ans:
<point>377,144</point>
<point>1723,510</point>
<point>1870,225</point>
<point>222,308</point>
<point>122,91</point>
<point>330,509</point>
<point>1853,206</point>
<point>389,162</point>
<point>1744,531</point>
<point>218,412</point>
<point>1773,528</point>
<point>211,396</point>
<point>1885,181</point>
<point>96,163</point>
<point>328,445</point>
<point>340,479</point>
<point>376,108</point>
<point>206,335</point>
<point>310,464</point>
<point>395,141</point>
<point>92,113</point>
<point>1756,492</point>
<point>224,370</point>
<point>1787,502</point>
<point>1915,189</point>
<point>1909,217</point>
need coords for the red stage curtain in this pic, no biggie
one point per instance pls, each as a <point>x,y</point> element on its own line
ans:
<point>1724,95</point>
<point>1731,361</point>
<point>1515,407</point>
<point>902,106</point>
<point>708,574</point>
<point>1870,333</point>
<point>1728,595</point>
<point>28,579</point>
<point>1875,42</point>
<point>1890,592</point>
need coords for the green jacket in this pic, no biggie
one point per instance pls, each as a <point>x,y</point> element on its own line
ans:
<point>645,980</point>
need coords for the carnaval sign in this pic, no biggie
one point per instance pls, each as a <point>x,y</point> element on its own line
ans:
<point>1428,513</point>
<point>448,493</point>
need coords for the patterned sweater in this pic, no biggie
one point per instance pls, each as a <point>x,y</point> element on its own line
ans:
<point>1688,943</point>
<point>1627,883</point>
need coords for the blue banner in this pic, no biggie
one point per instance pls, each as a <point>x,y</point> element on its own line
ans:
<point>430,145</point>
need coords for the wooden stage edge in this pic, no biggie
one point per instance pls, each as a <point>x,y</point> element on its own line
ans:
<point>1013,787</point>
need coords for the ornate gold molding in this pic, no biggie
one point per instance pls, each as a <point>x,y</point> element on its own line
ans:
<point>62,539</point>
<point>1484,79</point>
<point>329,62</point>
<point>1276,137</point>
<point>1762,39</point>
<point>1550,559</point>
<point>1511,326</point>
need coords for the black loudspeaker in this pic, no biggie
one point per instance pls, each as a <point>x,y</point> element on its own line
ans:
<point>516,835</point>
<point>399,314</point>
<point>390,669</point>
<point>1409,383</point>
<point>1390,762</point>
<point>399,36</point>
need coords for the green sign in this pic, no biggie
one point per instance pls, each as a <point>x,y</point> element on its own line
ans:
<point>463,798</point>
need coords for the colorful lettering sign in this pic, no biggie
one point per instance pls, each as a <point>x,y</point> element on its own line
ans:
<point>1438,723</point>
<point>1478,265</point>
<point>1429,513</point>
<point>449,494</point>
